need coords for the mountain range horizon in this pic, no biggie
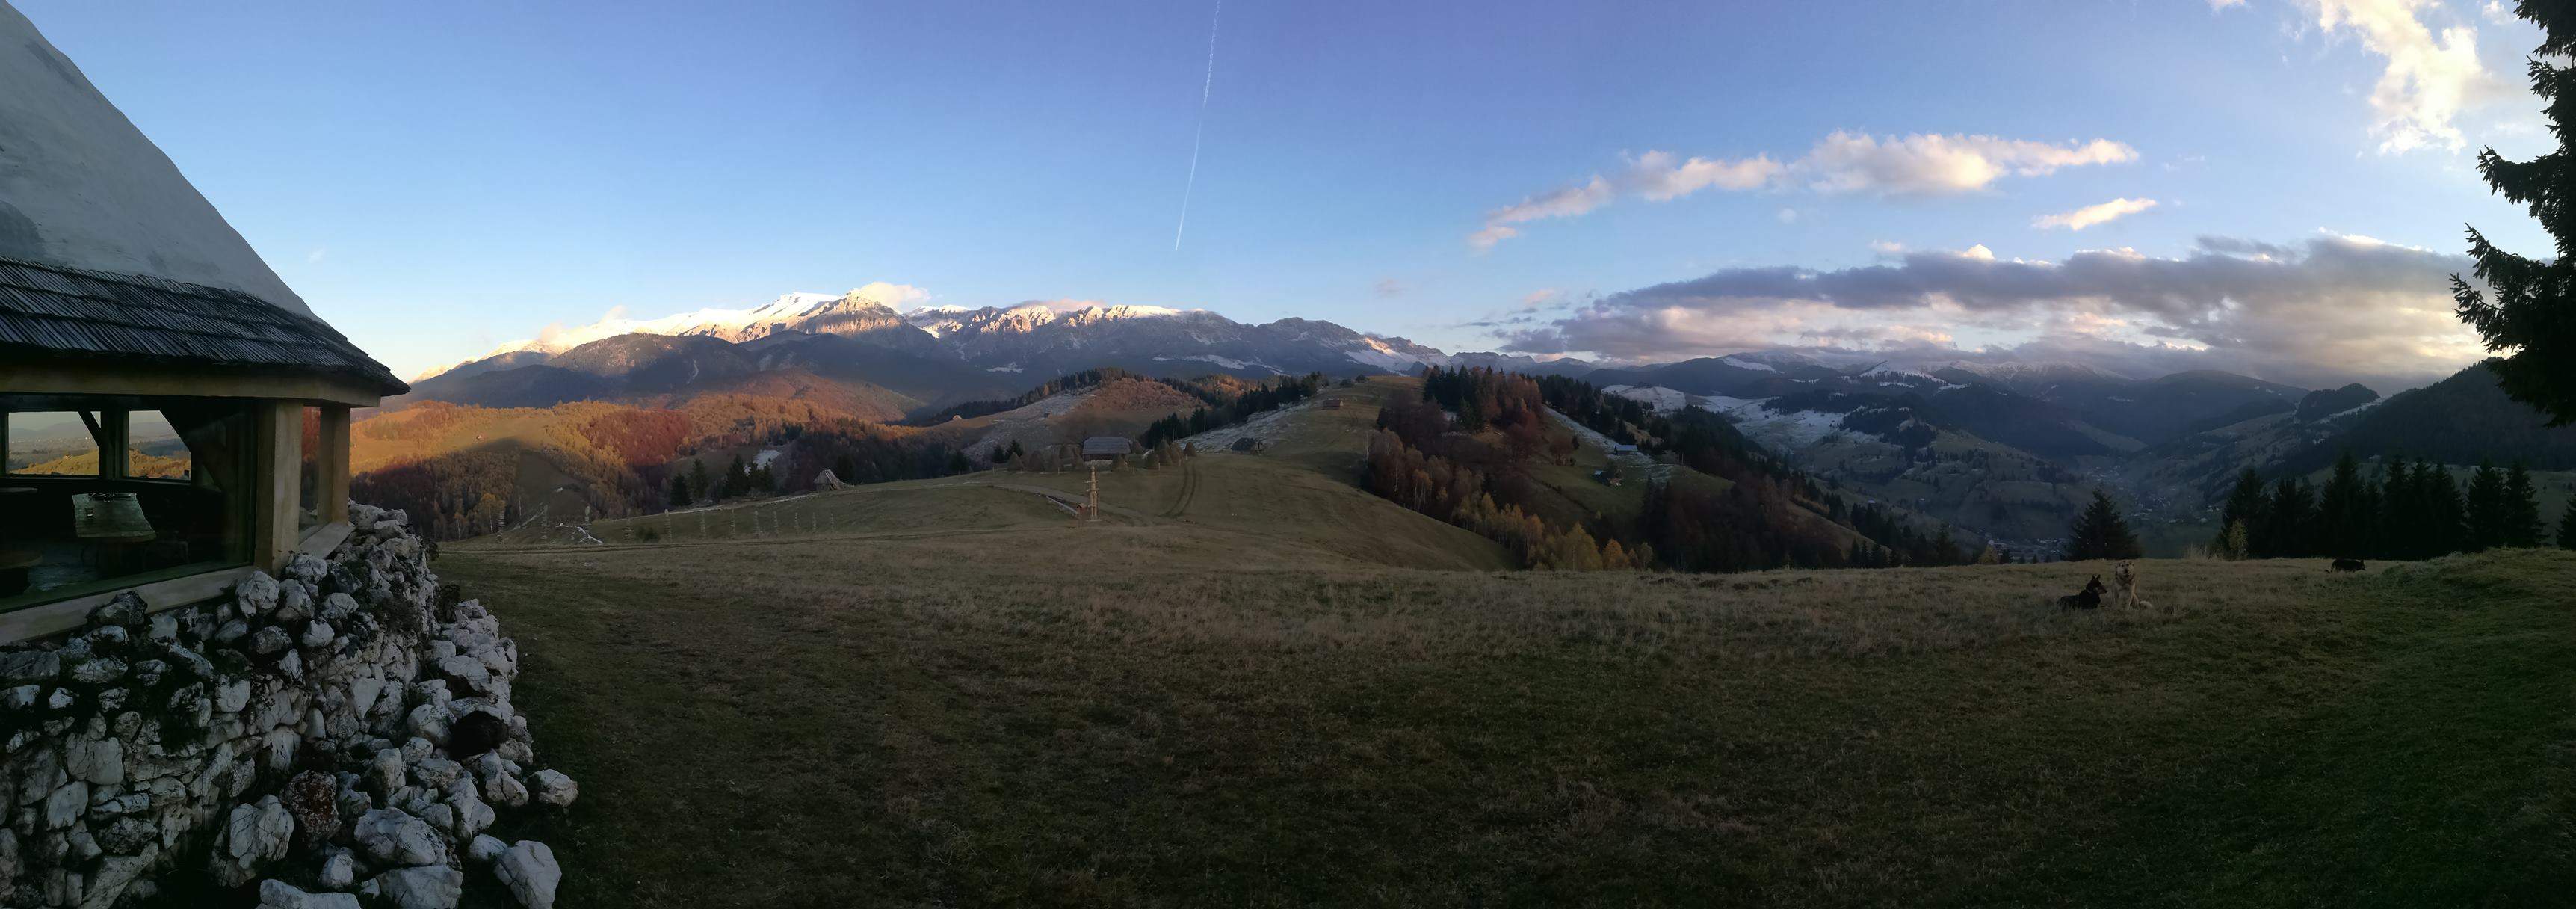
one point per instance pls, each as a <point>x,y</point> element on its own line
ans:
<point>878,305</point>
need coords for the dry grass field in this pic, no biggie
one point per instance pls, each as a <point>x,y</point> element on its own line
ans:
<point>1228,693</point>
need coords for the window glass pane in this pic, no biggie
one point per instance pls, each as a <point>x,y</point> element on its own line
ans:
<point>153,448</point>
<point>183,505</point>
<point>52,443</point>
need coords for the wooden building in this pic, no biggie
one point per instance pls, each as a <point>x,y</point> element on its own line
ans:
<point>1107,448</point>
<point>175,417</point>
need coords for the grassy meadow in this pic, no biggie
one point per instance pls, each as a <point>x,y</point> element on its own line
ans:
<point>1240,689</point>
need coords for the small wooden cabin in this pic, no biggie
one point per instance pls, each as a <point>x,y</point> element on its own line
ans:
<point>172,416</point>
<point>1107,448</point>
<point>1332,403</point>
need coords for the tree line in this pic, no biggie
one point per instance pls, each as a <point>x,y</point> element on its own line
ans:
<point>2405,510</point>
<point>1226,409</point>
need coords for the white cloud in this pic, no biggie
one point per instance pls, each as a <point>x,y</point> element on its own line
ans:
<point>1935,164</point>
<point>1656,176</point>
<point>1887,247</point>
<point>1559,203</point>
<point>1923,164</point>
<point>1541,297</point>
<point>2090,215</point>
<point>2429,79</point>
<point>1389,287</point>
<point>2331,309</point>
<point>1788,216</point>
<point>896,296</point>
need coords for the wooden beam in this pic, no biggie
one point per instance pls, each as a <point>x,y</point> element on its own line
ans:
<point>332,460</point>
<point>163,381</point>
<point>275,493</point>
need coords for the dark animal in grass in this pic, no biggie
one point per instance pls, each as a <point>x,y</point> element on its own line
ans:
<point>475,733</point>
<point>2345,565</point>
<point>2088,598</point>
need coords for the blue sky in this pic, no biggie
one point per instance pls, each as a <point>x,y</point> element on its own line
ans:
<point>439,178</point>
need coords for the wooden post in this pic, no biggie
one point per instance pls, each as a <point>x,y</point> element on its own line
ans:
<point>276,489</point>
<point>332,459</point>
<point>115,427</point>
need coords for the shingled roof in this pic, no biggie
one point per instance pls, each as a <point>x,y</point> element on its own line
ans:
<point>74,312</point>
<point>1099,446</point>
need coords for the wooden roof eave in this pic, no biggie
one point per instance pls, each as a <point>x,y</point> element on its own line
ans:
<point>126,376</point>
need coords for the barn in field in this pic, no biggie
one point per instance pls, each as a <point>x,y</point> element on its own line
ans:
<point>1107,448</point>
<point>1332,403</point>
<point>1250,445</point>
<point>175,415</point>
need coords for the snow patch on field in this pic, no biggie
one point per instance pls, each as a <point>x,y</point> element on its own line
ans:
<point>1267,426</point>
<point>764,458</point>
<point>1227,362</point>
<point>1657,397</point>
<point>1785,431</point>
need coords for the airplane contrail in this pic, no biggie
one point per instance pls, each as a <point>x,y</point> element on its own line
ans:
<point>1205,90</point>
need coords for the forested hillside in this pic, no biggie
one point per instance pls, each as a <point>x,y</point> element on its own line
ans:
<point>1473,449</point>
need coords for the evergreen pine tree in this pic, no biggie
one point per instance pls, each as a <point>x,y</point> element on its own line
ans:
<point>2290,520</point>
<point>2485,508</point>
<point>2443,511</point>
<point>2100,533</point>
<point>2339,511</point>
<point>698,480</point>
<point>2532,312</point>
<point>679,490</point>
<point>2522,525</point>
<point>2244,509</point>
<point>2567,526</point>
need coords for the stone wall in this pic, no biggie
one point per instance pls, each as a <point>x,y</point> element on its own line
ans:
<point>341,736</point>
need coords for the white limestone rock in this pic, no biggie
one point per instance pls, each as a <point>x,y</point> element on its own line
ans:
<point>66,804</point>
<point>257,594</point>
<point>394,838</point>
<point>339,869</point>
<point>473,816</point>
<point>277,894</point>
<point>433,887</point>
<point>232,696</point>
<point>429,721</point>
<point>555,788</point>
<point>529,870</point>
<point>98,760</point>
<point>437,772</point>
<point>485,848</point>
<point>252,836</point>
